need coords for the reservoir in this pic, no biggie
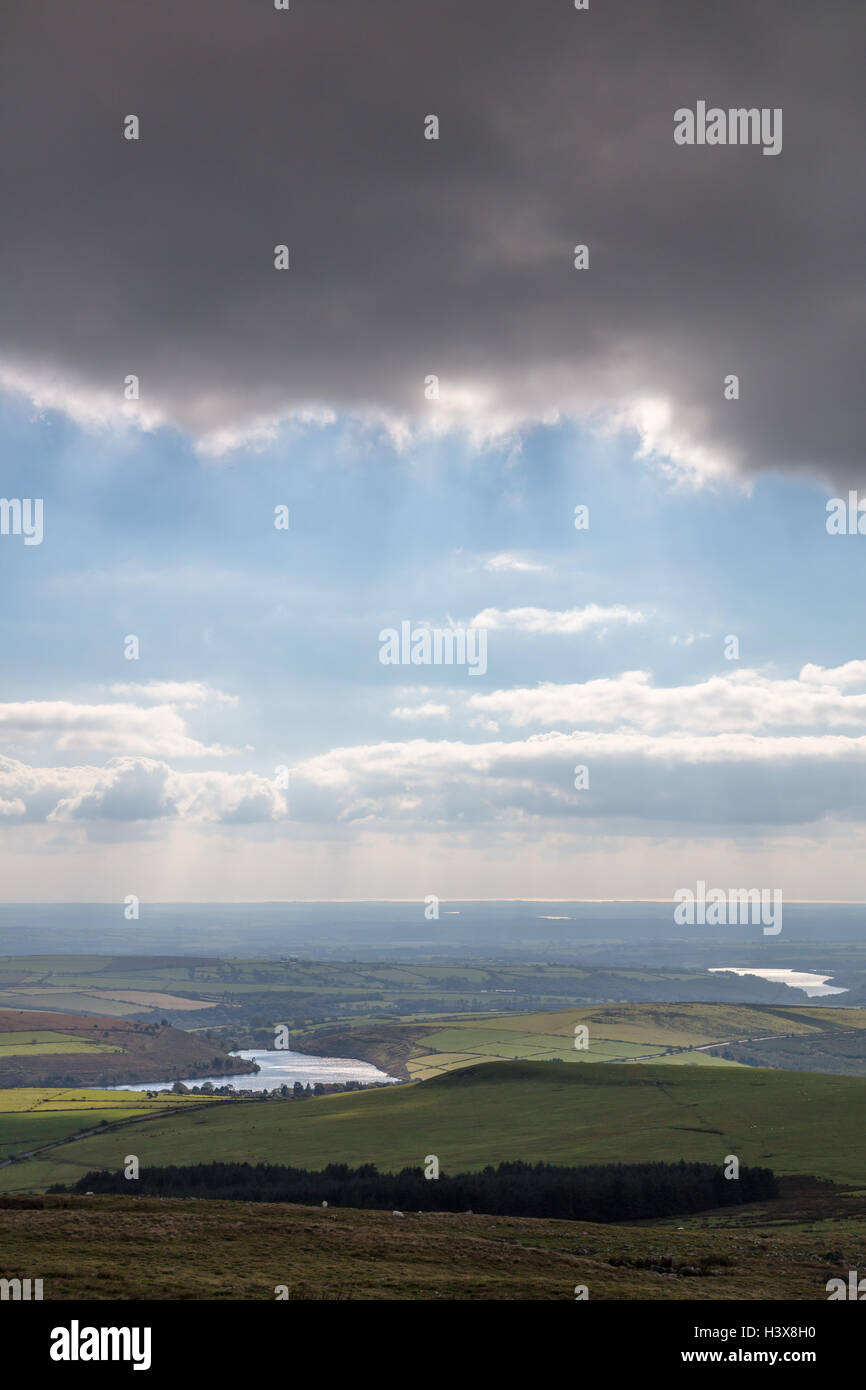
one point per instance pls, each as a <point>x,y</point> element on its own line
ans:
<point>813,985</point>
<point>279,1068</point>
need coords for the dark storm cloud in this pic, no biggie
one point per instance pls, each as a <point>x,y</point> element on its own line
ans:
<point>411,257</point>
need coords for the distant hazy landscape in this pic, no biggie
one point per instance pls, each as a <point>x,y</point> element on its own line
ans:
<point>596,1035</point>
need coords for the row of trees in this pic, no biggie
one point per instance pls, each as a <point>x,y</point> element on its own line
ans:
<point>297,1091</point>
<point>600,1192</point>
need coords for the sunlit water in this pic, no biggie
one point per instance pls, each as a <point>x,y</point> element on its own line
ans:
<point>812,985</point>
<point>277,1069</point>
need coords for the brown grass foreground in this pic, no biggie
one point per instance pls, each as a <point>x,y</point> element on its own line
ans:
<point>143,1248</point>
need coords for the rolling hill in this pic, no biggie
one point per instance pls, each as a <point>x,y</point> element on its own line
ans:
<point>501,1111</point>
<point>44,1049</point>
<point>815,1037</point>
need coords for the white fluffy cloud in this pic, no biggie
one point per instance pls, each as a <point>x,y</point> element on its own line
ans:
<point>63,725</point>
<point>137,784</point>
<point>549,622</point>
<point>834,677</point>
<point>136,789</point>
<point>741,700</point>
<point>742,748</point>
<point>147,722</point>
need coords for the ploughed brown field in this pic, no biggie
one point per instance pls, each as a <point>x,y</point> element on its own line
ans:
<point>107,1051</point>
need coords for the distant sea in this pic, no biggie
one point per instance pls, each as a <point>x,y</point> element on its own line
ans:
<point>373,931</point>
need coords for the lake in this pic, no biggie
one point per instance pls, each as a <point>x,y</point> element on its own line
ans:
<point>813,985</point>
<point>279,1068</point>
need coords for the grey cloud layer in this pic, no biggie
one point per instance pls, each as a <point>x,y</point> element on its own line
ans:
<point>412,257</point>
<point>638,784</point>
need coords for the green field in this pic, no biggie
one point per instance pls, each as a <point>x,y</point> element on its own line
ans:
<point>16,1099</point>
<point>48,1041</point>
<point>815,1038</point>
<point>247,996</point>
<point>795,1123</point>
<point>31,1117</point>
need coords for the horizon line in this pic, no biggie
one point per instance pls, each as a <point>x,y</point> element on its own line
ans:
<point>289,902</point>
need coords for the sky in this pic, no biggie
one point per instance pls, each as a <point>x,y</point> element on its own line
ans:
<point>430,420</point>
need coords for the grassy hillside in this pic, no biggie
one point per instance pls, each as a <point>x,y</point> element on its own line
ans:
<point>45,1042</point>
<point>502,1111</point>
<point>616,1033</point>
<point>46,1048</point>
<point>142,1248</point>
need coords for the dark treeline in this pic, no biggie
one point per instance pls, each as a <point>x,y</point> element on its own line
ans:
<point>602,1192</point>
